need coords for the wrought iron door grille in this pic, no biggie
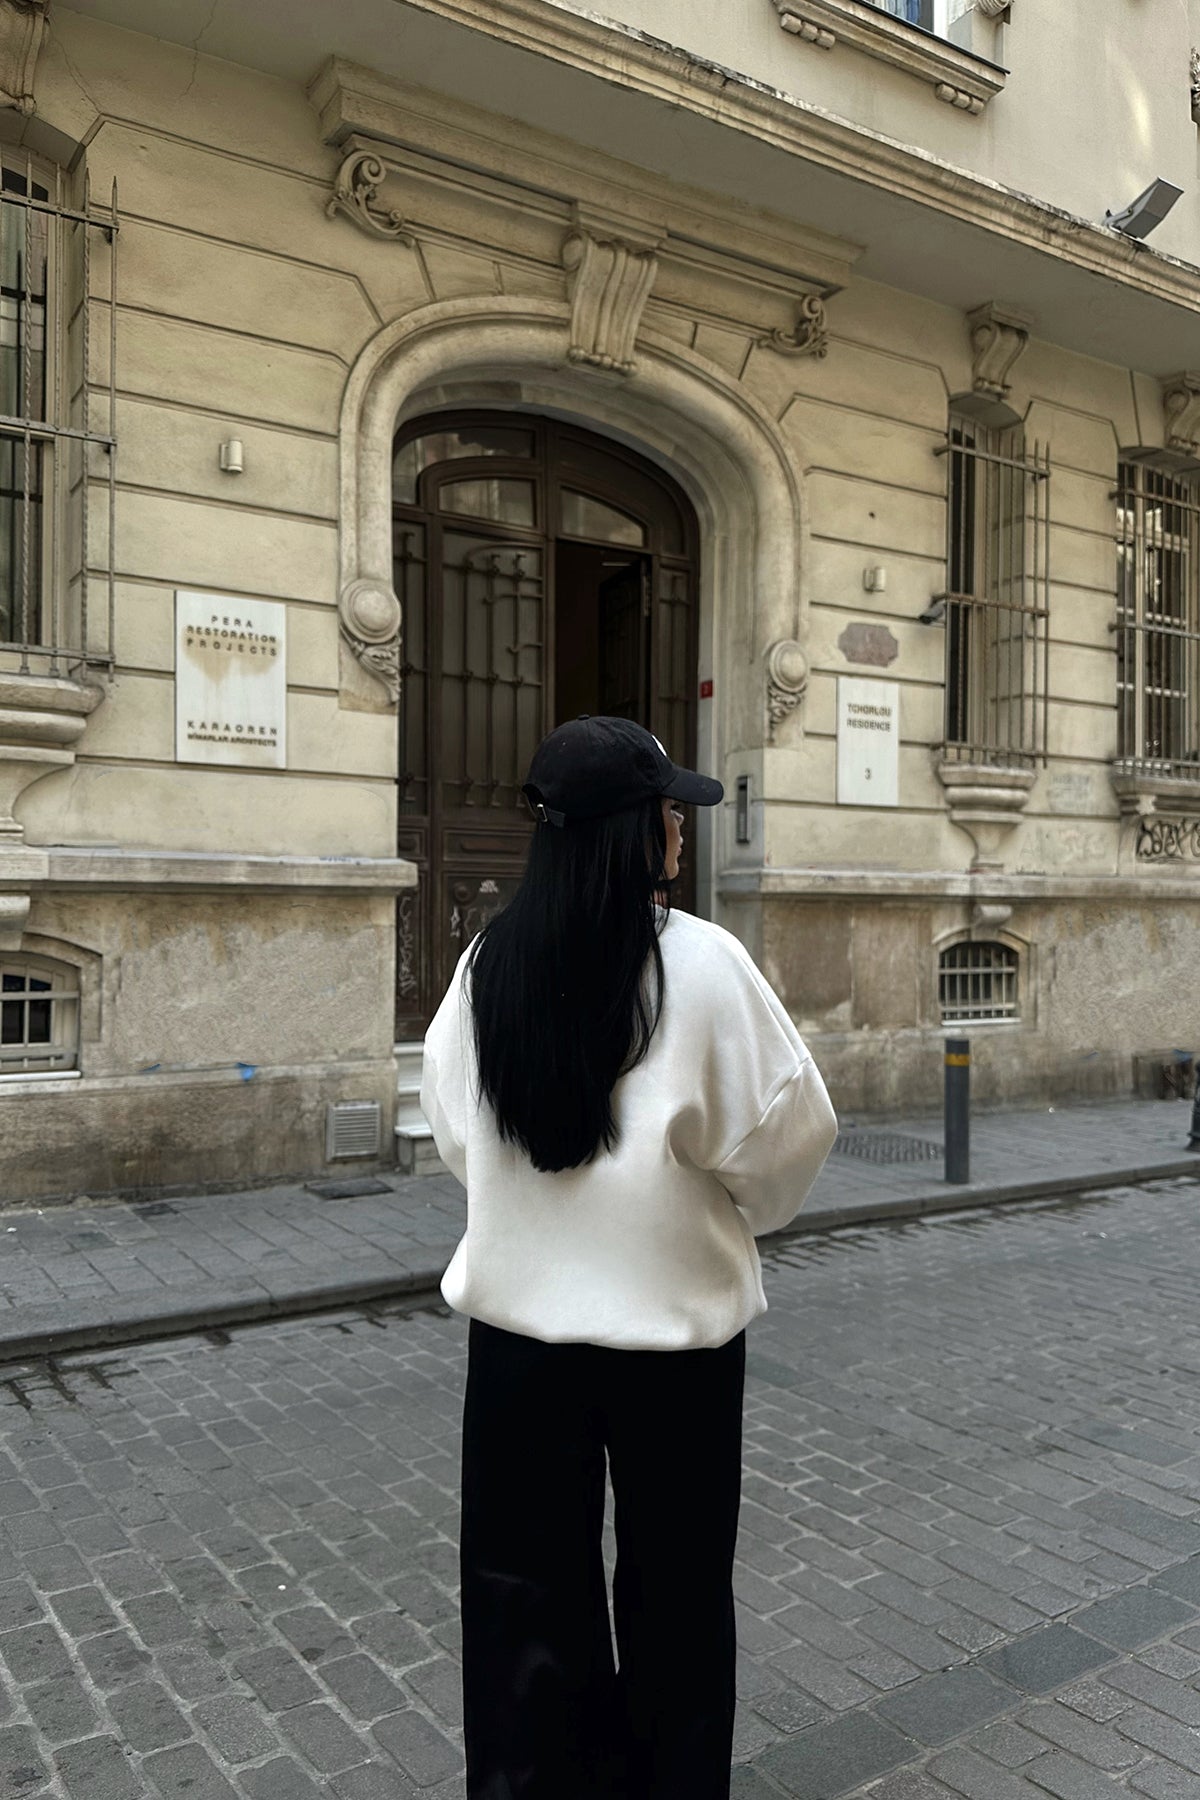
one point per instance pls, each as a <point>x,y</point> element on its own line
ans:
<point>50,393</point>
<point>1158,622</point>
<point>997,603</point>
<point>977,981</point>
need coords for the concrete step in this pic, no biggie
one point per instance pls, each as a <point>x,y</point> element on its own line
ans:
<point>416,1152</point>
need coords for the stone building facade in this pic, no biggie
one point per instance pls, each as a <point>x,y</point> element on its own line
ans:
<point>384,383</point>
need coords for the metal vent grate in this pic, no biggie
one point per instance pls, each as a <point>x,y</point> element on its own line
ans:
<point>886,1147</point>
<point>352,1128</point>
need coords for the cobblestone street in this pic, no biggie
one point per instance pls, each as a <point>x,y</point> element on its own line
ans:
<point>969,1558</point>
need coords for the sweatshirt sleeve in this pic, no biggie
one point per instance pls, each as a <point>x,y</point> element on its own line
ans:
<point>444,1079</point>
<point>775,1124</point>
<point>770,1172</point>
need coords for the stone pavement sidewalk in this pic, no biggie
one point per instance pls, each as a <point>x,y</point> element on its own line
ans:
<point>104,1270</point>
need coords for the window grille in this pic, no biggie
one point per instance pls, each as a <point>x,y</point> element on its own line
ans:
<point>39,1017</point>
<point>58,265</point>
<point>1158,622</point>
<point>977,981</point>
<point>997,603</point>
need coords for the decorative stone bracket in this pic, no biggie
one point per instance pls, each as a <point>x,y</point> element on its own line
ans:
<point>1181,414</point>
<point>958,77</point>
<point>22,30</point>
<point>370,617</point>
<point>14,916</point>
<point>355,192</point>
<point>611,263</point>
<point>987,803</point>
<point>42,719</point>
<point>998,336</point>
<point>808,337</point>
<point>787,678</point>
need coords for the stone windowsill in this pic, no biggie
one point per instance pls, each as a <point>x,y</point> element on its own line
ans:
<point>957,76</point>
<point>111,867</point>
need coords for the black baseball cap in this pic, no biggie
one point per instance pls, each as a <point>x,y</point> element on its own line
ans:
<point>594,766</point>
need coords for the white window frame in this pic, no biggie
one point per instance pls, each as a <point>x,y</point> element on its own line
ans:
<point>958,77</point>
<point>33,1059</point>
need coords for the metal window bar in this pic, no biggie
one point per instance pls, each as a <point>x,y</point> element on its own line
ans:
<point>977,982</point>
<point>1158,623</point>
<point>997,601</point>
<point>49,449</point>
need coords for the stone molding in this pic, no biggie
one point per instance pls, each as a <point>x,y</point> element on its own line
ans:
<point>1195,85</point>
<point>1181,413</point>
<point>355,189</point>
<point>350,98</point>
<point>42,718</point>
<point>703,424</point>
<point>1142,794</point>
<point>22,31</point>
<point>787,679</point>
<point>987,802</point>
<point>840,884</point>
<point>809,336</point>
<point>14,915</point>
<point>957,77</point>
<point>611,263</point>
<point>103,869</point>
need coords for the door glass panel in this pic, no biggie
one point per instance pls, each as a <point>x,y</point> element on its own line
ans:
<point>507,502</point>
<point>622,644</point>
<point>673,624</point>
<point>585,517</point>
<point>492,669</point>
<point>448,446</point>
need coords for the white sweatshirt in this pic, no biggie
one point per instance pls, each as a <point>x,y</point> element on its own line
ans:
<point>723,1129</point>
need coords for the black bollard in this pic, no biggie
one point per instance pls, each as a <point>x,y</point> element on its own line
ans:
<point>1193,1142</point>
<point>958,1109</point>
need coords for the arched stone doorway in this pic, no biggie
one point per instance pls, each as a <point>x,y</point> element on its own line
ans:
<point>544,571</point>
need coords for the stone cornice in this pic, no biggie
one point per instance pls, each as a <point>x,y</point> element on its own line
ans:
<point>937,884</point>
<point>957,77</point>
<point>616,53</point>
<point>104,867</point>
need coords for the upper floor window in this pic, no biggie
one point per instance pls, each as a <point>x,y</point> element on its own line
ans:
<point>996,603</point>
<point>930,15</point>
<point>39,1016</point>
<point>56,418</point>
<point>1158,622</point>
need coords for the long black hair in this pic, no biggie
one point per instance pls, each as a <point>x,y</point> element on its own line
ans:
<point>567,983</point>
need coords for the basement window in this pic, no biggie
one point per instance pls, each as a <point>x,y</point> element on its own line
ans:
<point>977,983</point>
<point>39,1017</point>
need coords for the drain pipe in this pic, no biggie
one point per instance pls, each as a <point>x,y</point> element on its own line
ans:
<point>958,1110</point>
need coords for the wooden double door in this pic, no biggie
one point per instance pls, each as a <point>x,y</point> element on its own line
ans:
<point>544,572</point>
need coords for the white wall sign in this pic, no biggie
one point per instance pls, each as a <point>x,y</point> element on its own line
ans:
<point>868,742</point>
<point>230,680</point>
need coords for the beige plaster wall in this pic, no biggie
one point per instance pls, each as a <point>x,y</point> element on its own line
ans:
<point>1096,103</point>
<point>1100,983</point>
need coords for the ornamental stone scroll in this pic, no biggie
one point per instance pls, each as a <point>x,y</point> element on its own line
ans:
<point>370,617</point>
<point>787,679</point>
<point>22,31</point>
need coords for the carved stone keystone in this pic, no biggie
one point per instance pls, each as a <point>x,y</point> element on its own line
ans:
<point>611,263</point>
<point>14,916</point>
<point>22,29</point>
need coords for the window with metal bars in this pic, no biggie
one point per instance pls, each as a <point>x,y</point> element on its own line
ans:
<point>996,606</point>
<point>1158,622</point>
<point>977,982</point>
<point>57,420</point>
<point>39,1017</point>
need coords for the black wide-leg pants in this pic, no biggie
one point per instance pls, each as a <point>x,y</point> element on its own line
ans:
<point>547,1715</point>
